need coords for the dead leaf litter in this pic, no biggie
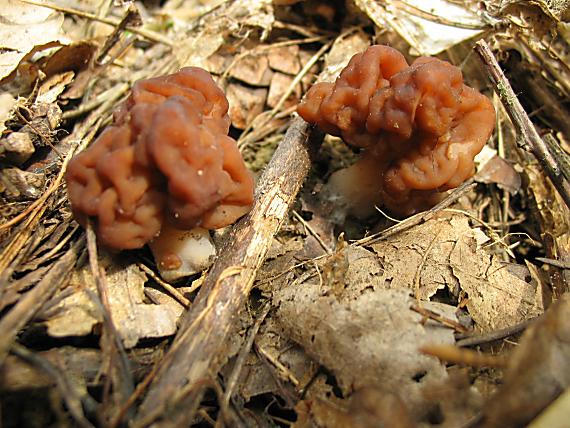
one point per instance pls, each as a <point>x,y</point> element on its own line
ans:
<point>305,319</point>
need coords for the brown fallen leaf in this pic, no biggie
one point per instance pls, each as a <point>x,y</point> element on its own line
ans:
<point>253,70</point>
<point>279,84</point>
<point>498,171</point>
<point>366,408</point>
<point>245,103</point>
<point>17,147</point>
<point>24,29</point>
<point>285,59</point>
<point>77,314</point>
<point>538,371</point>
<point>447,253</point>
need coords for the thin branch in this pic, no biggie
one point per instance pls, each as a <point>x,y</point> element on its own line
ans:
<point>526,132</point>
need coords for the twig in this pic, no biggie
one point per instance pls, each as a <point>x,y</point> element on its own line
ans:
<point>313,232</point>
<point>526,131</point>
<point>132,18</point>
<point>556,263</point>
<point>427,313</point>
<point>495,335</point>
<point>418,218</point>
<point>173,291</point>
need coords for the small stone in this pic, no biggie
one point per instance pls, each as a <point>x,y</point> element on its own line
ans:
<point>22,185</point>
<point>17,147</point>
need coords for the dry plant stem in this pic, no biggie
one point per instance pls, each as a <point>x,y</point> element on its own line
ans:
<point>68,394</point>
<point>31,302</point>
<point>199,347</point>
<point>495,335</point>
<point>429,314</point>
<point>555,263</point>
<point>526,131</point>
<point>465,357</point>
<point>150,35</point>
<point>132,18</point>
<point>169,288</point>
<point>118,366</point>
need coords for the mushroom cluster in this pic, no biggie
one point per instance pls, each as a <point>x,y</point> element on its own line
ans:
<point>165,164</point>
<point>419,127</point>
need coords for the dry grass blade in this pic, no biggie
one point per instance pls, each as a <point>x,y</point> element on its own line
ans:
<point>31,302</point>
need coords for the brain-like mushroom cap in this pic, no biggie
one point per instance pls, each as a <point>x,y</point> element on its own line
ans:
<point>422,125</point>
<point>167,158</point>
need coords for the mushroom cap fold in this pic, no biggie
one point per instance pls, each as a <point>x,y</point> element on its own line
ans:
<point>166,158</point>
<point>420,126</point>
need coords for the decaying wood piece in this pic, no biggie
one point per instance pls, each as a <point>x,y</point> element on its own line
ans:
<point>198,347</point>
<point>526,131</point>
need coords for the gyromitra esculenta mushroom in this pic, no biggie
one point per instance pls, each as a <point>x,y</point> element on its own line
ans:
<point>166,166</point>
<point>419,127</point>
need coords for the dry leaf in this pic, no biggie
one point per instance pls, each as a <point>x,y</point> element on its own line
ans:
<point>21,185</point>
<point>7,102</point>
<point>366,408</point>
<point>25,28</point>
<point>77,314</point>
<point>285,59</point>
<point>367,336</point>
<point>17,147</point>
<point>253,70</point>
<point>245,104</point>
<point>538,372</point>
<point>447,253</point>
<point>279,84</point>
<point>499,171</point>
<point>53,87</point>
<point>429,27</point>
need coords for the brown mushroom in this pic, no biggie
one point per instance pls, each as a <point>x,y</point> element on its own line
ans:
<point>419,127</point>
<point>164,166</point>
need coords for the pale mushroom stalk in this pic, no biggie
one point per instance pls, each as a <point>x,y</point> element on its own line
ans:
<point>180,253</point>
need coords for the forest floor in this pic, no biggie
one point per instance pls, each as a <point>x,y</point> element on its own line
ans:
<point>452,317</point>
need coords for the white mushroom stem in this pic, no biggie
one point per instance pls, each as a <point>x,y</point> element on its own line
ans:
<point>179,253</point>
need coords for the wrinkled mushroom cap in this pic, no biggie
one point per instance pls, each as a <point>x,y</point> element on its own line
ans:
<point>419,124</point>
<point>167,158</point>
